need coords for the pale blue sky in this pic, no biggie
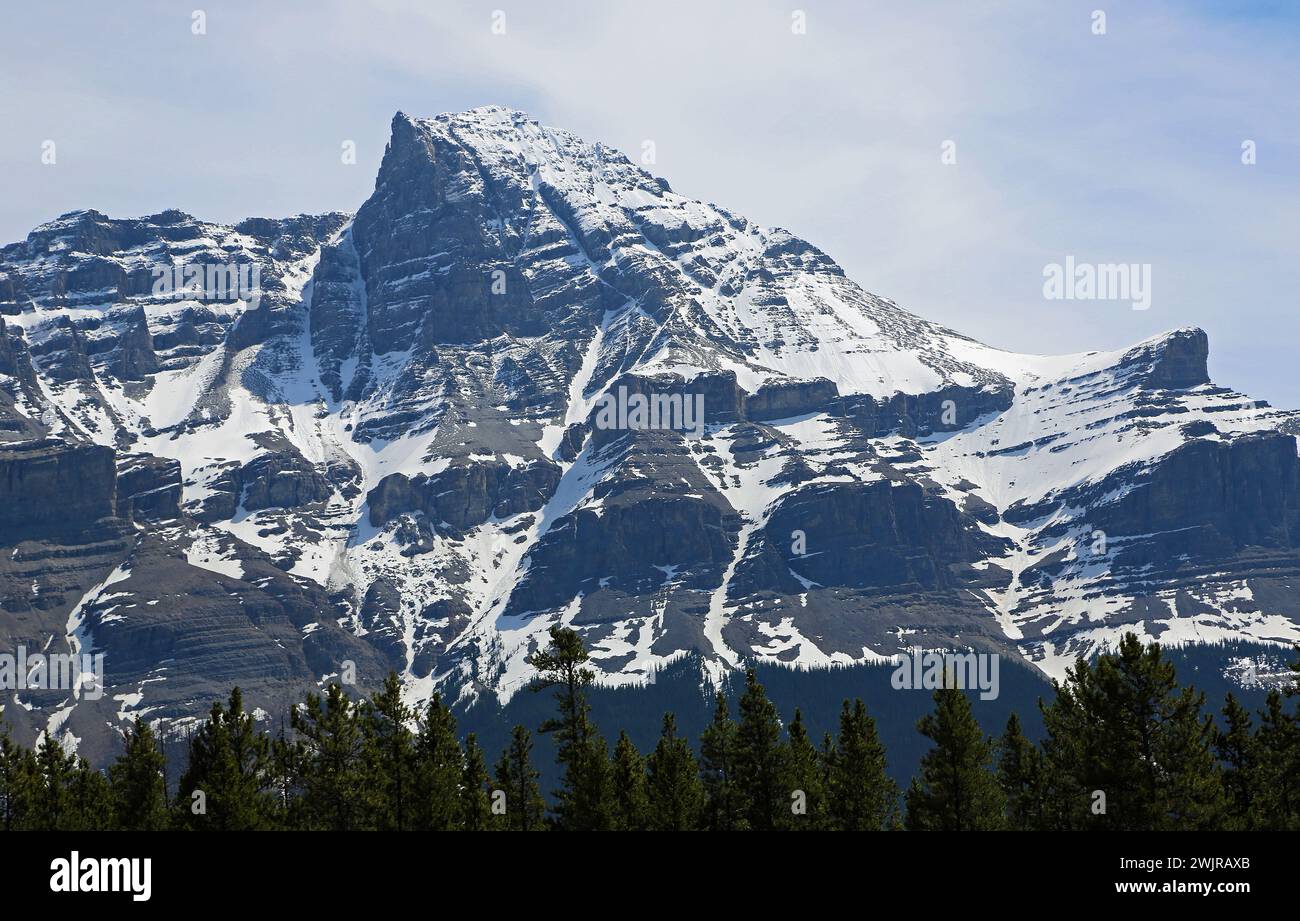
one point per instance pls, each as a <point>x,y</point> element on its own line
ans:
<point>1117,148</point>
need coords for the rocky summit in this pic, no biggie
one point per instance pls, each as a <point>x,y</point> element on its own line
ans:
<point>417,437</point>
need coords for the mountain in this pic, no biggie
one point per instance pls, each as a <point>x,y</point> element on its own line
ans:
<point>393,441</point>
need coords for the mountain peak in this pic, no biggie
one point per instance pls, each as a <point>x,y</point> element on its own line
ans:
<point>404,456</point>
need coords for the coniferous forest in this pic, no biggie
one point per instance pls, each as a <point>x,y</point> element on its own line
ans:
<point>1126,747</point>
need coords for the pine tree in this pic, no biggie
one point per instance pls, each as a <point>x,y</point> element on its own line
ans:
<point>1190,775</point>
<point>759,769</point>
<point>475,807</point>
<point>285,771</point>
<point>674,791</point>
<point>334,794</point>
<point>228,770</point>
<point>139,796</point>
<point>1020,775</point>
<point>517,778</point>
<point>803,780</point>
<point>862,795</point>
<point>439,765</point>
<point>956,789</point>
<point>390,756</point>
<point>18,782</point>
<point>1127,749</point>
<point>1070,769</point>
<point>55,809</point>
<point>91,799</point>
<point>724,808</point>
<point>1237,748</point>
<point>582,802</point>
<point>629,802</point>
<point>1277,796</point>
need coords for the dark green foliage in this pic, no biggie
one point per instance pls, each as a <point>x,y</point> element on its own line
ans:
<point>439,765</point>
<point>517,778</point>
<point>390,764</point>
<point>1127,749</point>
<point>1277,795</point>
<point>1119,726</point>
<point>335,794</point>
<point>674,791</point>
<point>18,781</point>
<point>224,787</point>
<point>582,803</point>
<point>759,767</point>
<point>803,781</point>
<point>1238,750</point>
<point>630,809</point>
<point>92,807</point>
<point>286,774</point>
<point>1020,775</point>
<point>862,796</point>
<point>956,790</point>
<point>475,808</point>
<point>138,793</point>
<point>724,804</point>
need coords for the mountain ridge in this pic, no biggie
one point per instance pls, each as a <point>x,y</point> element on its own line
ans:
<point>396,435</point>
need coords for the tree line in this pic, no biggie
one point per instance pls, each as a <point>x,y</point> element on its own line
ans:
<point>1125,748</point>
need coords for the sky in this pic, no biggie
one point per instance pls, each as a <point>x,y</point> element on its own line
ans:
<point>1120,145</point>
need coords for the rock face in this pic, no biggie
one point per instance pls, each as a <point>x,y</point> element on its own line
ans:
<point>1210,499</point>
<point>390,445</point>
<point>784,399</point>
<point>51,486</point>
<point>864,535</point>
<point>467,494</point>
<point>148,488</point>
<point>1177,361</point>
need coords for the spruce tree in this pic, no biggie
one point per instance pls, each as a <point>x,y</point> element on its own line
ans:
<point>759,768</point>
<point>334,791</point>
<point>724,803</point>
<point>674,791</point>
<point>956,789</point>
<point>285,773</point>
<point>18,782</point>
<point>517,778</point>
<point>803,773</point>
<point>1070,768</point>
<point>91,799</point>
<point>1190,775</point>
<point>1277,796</point>
<point>139,796</point>
<point>475,807</point>
<point>629,809</point>
<point>862,795</point>
<point>224,786</point>
<point>1237,748</point>
<point>390,756</point>
<point>439,766</point>
<point>55,808</point>
<point>1127,749</point>
<point>1020,775</point>
<point>582,802</point>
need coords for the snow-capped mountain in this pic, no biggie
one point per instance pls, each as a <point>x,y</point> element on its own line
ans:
<point>383,447</point>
